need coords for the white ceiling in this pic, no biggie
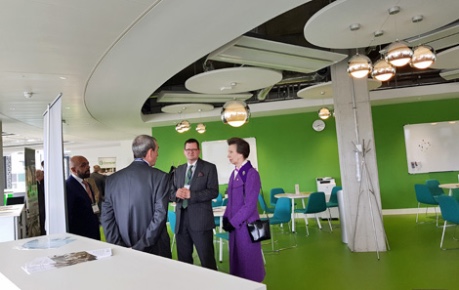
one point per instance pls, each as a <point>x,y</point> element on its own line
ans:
<point>108,56</point>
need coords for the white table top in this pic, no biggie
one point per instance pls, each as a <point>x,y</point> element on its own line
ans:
<point>449,185</point>
<point>125,269</point>
<point>11,210</point>
<point>219,211</point>
<point>293,195</point>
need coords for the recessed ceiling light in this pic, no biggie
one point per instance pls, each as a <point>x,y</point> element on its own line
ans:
<point>63,78</point>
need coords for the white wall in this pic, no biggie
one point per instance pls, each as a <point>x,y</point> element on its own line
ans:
<point>122,150</point>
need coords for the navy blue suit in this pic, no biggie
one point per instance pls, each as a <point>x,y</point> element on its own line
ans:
<point>81,218</point>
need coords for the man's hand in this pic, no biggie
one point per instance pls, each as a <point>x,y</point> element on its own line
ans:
<point>183,193</point>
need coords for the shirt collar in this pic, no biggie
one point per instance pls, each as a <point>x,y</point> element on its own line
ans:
<point>77,178</point>
<point>141,159</point>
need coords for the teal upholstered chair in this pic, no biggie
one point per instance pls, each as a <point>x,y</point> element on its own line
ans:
<point>263,205</point>
<point>424,195</point>
<point>433,186</point>
<point>316,204</point>
<point>272,193</point>
<point>333,201</point>
<point>282,215</point>
<point>449,207</point>
<point>218,200</point>
<point>172,219</point>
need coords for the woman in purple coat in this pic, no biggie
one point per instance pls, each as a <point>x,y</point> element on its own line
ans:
<point>245,257</point>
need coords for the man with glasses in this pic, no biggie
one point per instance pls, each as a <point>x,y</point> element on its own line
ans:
<point>194,186</point>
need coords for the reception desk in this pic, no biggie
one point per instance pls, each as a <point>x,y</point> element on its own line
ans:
<point>125,269</point>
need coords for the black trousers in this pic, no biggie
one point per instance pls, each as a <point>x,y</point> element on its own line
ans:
<point>201,240</point>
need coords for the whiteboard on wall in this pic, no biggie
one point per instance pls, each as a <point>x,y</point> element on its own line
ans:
<point>216,152</point>
<point>432,147</point>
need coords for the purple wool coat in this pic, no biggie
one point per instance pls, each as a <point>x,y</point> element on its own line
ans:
<point>245,257</point>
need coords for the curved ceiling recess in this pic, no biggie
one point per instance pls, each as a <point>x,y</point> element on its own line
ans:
<point>147,55</point>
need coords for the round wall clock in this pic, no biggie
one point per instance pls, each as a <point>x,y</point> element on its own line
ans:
<point>318,125</point>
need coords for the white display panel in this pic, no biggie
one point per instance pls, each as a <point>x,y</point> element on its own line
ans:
<point>432,147</point>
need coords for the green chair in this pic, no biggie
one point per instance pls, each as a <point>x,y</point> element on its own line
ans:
<point>316,204</point>
<point>263,204</point>
<point>424,195</point>
<point>333,201</point>
<point>272,193</point>
<point>449,207</point>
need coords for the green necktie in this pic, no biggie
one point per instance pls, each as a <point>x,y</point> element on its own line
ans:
<point>188,176</point>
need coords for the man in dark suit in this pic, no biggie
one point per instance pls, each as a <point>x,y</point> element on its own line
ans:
<point>39,176</point>
<point>134,211</point>
<point>195,185</point>
<point>81,207</point>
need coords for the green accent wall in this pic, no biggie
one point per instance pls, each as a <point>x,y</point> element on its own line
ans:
<point>290,151</point>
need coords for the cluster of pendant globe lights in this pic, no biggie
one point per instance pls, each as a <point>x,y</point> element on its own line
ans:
<point>397,54</point>
<point>184,126</point>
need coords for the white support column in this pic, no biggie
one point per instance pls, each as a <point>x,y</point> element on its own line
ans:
<point>2,170</point>
<point>354,125</point>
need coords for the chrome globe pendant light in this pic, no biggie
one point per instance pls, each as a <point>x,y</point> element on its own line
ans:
<point>398,54</point>
<point>359,66</point>
<point>423,55</point>
<point>235,113</point>
<point>324,113</point>
<point>183,126</point>
<point>383,71</point>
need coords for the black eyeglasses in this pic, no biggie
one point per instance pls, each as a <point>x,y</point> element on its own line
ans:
<point>191,150</point>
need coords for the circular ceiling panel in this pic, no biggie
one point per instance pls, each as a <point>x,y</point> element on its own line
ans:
<point>325,90</point>
<point>447,59</point>
<point>186,108</point>
<point>353,23</point>
<point>233,80</point>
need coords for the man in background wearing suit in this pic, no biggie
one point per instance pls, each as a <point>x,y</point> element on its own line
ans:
<point>39,176</point>
<point>82,208</point>
<point>195,185</point>
<point>134,211</point>
<point>99,178</point>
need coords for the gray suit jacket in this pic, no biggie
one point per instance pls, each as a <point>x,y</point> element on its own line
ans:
<point>134,212</point>
<point>204,188</point>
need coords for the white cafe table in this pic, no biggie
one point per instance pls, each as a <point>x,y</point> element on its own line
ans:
<point>293,196</point>
<point>449,186</point>
<point>125,269</point>
<point>219,211</point>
